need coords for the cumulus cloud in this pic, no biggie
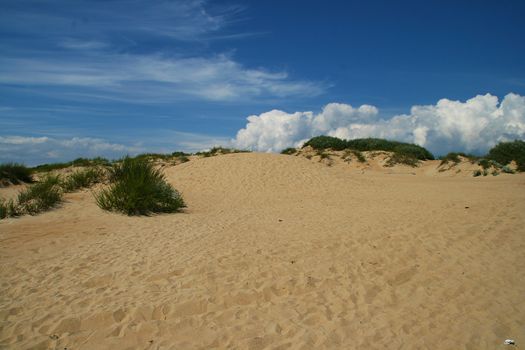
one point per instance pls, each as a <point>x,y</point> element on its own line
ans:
<point>471,126</point>
<point>35,150</point>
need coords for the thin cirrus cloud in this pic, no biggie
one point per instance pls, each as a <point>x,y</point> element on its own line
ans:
<point>473,126</point>
<point>88,51</point>
<point>153,78</point>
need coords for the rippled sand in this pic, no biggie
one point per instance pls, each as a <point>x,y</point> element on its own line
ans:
<point>275,252</point>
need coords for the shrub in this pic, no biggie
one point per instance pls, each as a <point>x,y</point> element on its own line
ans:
<point>506,152</point>
<point>82,179</point>
<point>324,142</point>
<point>484,163</point>
<point>14,173</point>
<point>507,169</point>
<point>370,144</point>
<point>374,144</point>
<point>289,150</point>
<point>41,196</point>
<point>183,159</point>
<point>139,189</point>
<point>476,173</point>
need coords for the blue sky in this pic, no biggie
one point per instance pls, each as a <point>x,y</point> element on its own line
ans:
<point>86,78</point>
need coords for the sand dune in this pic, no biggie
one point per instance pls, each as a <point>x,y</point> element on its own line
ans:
<point>275,252</point>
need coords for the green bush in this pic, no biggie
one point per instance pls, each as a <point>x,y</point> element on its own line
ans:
<point>324,142</point>
<point>370,144</point>
<point>14,173</point>
<point>477,173</point>
<point>374,144</point>
<point>289,150</point>
<point>40,196</point>
<point>83,179</point>
<point>484,163</point>
<point>139,189</point>
<point>183,159</point>
<point>506,152</point>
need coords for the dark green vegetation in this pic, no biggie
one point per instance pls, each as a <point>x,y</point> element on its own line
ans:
<point>83,179</point>
<point>506,152</point>
<point>138,188</point>
<point>324,142</point>
<point>403,153</point>
<point>289,150</point>
<point>370,144</point>
<point>14,173</point>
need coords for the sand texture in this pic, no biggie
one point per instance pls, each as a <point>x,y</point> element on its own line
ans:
<point>275,252</point>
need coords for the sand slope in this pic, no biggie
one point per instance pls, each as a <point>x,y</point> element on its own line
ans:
<point>274,252</point>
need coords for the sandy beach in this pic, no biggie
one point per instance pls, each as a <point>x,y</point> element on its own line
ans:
<point>275,252</point>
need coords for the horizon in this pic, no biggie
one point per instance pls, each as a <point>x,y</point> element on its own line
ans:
<point>90,78</point>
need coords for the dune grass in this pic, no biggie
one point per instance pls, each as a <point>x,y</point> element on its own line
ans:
<point>14,173</point>
<point>85,162</point>
<point>138,189</point>
<point>83,179</point>
<point>40,196</point>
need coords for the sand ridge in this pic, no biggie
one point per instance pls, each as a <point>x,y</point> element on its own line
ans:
<point>274,252</point>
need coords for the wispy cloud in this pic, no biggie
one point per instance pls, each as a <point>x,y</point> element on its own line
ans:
<point>105,51</point>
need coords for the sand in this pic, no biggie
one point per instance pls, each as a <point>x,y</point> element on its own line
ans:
<point>275,252</point>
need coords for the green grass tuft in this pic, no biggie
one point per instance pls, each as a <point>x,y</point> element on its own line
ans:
<point>40,196</point>
<point>83,179</point>
<point>139,189</point>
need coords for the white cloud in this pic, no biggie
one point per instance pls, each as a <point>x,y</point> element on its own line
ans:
<point>471,126</point>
